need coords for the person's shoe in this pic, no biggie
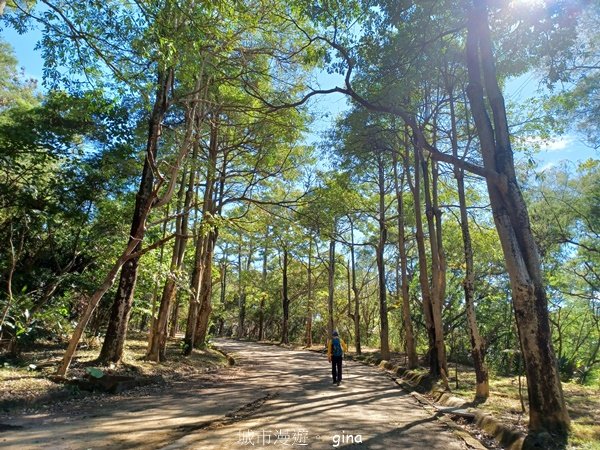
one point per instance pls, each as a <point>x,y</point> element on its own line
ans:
<point>338,383</point>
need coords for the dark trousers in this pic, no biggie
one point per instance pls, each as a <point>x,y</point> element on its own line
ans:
<point>336,368</point>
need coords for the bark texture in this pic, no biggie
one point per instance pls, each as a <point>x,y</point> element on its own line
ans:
<point>285,300</point>
<point>355,292</point>
<point>478,350</point>
<point>410,346</point>
<point>112,348</point>
<point>547,407</point>
<point>432,353</point>
<point>380,249</point>
<point>203,242</point>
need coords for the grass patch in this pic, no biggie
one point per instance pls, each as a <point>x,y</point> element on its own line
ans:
<point>583,404</point>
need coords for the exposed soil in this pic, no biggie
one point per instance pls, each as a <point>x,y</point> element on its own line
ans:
<point>272,396</point>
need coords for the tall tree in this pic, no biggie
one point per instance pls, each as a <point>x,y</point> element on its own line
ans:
<point>410,345</point>
<point>547,407</point>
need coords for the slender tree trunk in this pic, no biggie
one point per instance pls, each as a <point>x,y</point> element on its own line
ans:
<point>355,292</point>
<point>438,270</point>
<point>380,249</point>
<point>482,389</point>
<point>309,300</point>
<point>432,353</point>
<point>216,205</point>
<point>547,407</point>
<point>158,332</point>
<point>206,292</point>
<point>158,339</point>
<point>174,326</point>
<point>241,295</point>
<point>203,241</point>
<point>223,289</point>
<point>285,339</point>
<point>331,282</point>
<point>160,263</point>
<point>261,310</point>
<point>436,306</point>
<point>411,350</point>
<point>198,274</point>
<point>112,348</point>
<point>349,290</point>
<point>14,257</point>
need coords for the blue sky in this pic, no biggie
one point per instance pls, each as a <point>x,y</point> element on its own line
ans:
<point>568,147</point>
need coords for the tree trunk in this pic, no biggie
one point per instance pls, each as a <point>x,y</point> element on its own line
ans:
<point>174,326</point>
<point>438,275</point>
<point>112,348</point>
<point>216,205</point>
<point>206,292</point>
<point>261,310</point>
<point>160,263</point>
<point>309,313</point>
<point>158,339</point>
<point>355,292</point>
<point>432,353</point>
<point>14,256</point>
<point>223,287</point>
<point>482,388</point>
<point>331,282</point>
<point>285,300</point>
<point>410,347</point>
<point>547,407</point>
<point>380,249</point>
<point>203,241</point>
<point>241,295</point>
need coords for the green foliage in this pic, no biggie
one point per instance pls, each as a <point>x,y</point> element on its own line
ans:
<point>15,90</point>
<point>54,186</point>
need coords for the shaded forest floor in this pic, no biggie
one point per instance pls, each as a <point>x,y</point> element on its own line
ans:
<point>25,383</point>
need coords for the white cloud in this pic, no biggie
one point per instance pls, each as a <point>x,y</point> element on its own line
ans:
<point>556,145</point>
<point>547,145</point>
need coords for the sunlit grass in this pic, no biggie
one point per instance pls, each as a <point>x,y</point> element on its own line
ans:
<point>583,403</point>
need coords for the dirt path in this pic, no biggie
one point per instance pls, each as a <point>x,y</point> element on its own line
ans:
<point>272,398</point>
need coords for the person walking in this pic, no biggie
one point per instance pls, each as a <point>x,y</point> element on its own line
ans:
<point>335,354</point>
